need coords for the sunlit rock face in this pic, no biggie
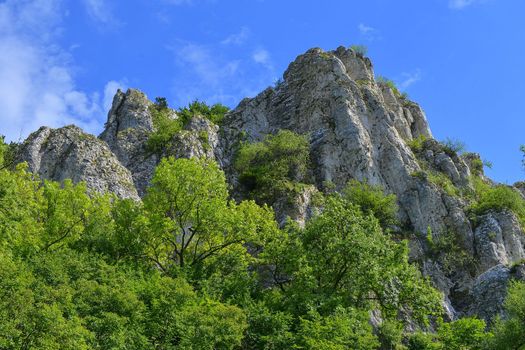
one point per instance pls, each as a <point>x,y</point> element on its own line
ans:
<point>358,128</point>
<point>69,153</point>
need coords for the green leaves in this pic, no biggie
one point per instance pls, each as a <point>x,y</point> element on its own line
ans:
<point>274,167</point>
<point>214,113</point>
<point>509,332</point>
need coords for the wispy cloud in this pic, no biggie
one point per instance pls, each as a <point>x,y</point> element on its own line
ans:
<point>261,56</point>
<point>367,32</point>
<point>110,90</point>
<point>179,2</point>
<point>461,4</point>
<point>101,12</point>
<point>206,66</point>
<point>218,72</point>
<point>237,38</point>
<point>409,78</point>
<point>37,85</point>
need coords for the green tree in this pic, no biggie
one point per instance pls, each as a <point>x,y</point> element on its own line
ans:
<point>372,199</point>
<point>165,126</point>
<point>343,329</point>
<point>193,228</point>
<point>214,113</point>
<point>509,333</point>
<point>342,257</point>
<point>275,166</point>
<point>463,334</point>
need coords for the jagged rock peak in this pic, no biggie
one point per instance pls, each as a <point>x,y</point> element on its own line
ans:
<point>127,129</point>
<point>129,110</point>
<point>70,153</point>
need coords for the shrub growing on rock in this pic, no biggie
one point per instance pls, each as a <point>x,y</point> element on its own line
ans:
<point>274,167</point>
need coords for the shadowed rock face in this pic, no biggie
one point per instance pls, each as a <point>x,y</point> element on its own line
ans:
<point>68,152</point>
<point>358,129</point>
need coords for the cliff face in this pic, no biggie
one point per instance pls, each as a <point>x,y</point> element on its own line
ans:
<point>68,152</point>
<point>358,129</point>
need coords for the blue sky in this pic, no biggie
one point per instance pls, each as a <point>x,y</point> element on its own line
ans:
<point>462,60</point>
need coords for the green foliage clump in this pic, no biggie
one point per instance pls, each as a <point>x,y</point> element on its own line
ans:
<point>449,249</point>
<point>274,167</point>
<point>164,124</point>
<point>509,332</point>
<point>453,147</point>
<point>373,200</point>
<point>463,334</point>
<point>497,198</point>
<point>392,85</point>
<point>361,50</point>
<point>342,257</point>
<point>214,113</point>
<point>343,329</point>
<point>8,153</point>
<point>443,181</point>
<point>417,143</point>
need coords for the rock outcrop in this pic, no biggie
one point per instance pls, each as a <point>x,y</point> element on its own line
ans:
<point>126,133</point>
<point>358,128</point>
<point>69,153</point>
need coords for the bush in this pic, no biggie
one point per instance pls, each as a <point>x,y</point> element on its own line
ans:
<point>447,247</point>
<point>214,113</point>
<point>361,50</point>
<point>390,83</point>
<point>416,144</point>
<point>453,147</point>
<point>497,198</point>
<point>165,126</point>
<point>443,182</point>
<point>465,333</point>
<point>275,166</point>
<point>372,199</point>
<point>509,332</point>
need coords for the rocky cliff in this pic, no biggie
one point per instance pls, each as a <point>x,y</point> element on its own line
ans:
<point>358,128</point>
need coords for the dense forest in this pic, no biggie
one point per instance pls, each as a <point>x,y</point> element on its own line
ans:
<point>188,267</point>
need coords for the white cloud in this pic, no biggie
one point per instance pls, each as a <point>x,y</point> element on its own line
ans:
<point>261,56</point>
<point>364,29</point>
<point>37,85</point>
<point>461,4</point>
<point>218,73</point>
<point>179,2</point>
<point>367,32</point>
<point>101,12</point>
<point>109,92</point>
<point>409,79</point>
<point>237,38</point>
<point>201,60</point>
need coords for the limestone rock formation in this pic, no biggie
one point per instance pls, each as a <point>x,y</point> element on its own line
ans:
<point>69,153</point>
<point>358,128</point>
<point>361,129</point>
<point>499,239</point>
<point>126,133</point>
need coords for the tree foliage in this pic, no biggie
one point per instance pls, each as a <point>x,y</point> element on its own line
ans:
<point>274,167</point>
<point>188,268</point>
